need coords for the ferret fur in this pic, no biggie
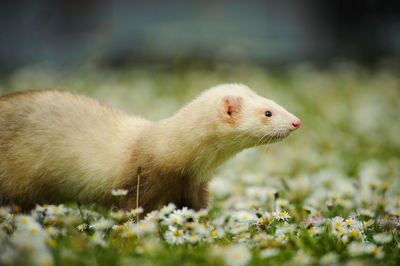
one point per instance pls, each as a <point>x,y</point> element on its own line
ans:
<point>58,147</point>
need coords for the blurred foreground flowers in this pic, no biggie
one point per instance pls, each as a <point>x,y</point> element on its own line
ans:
<point>248,224</point>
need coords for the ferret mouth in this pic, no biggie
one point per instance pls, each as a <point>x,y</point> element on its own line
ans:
<point>277,136</point>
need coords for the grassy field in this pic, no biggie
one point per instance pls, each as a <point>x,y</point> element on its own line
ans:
<point>328,195</point>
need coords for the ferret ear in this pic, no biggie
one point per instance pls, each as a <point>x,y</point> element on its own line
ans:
<point>231,107</point>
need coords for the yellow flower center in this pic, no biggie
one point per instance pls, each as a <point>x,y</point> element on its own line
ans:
<point>354,232</point>
<point>397,213</point>
<point>340,232</point>
<point>244,217</point>
<point>348,222</point>
<point>281,214</point>
<point>337,225</point>
<point>24,220</point>
<point>118,228</point>
<point>176,233</point>
<point>52,242</point>
<point>311,231</point>
<point>33,230</point>
<point>375,251</point>
<point>283,237</point>
<point>175,220</point>
<point>236,256</point>
<point>57,208</point>
<point>213,233</point>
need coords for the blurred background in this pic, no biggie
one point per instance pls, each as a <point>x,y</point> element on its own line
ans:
<point>265,32</point>
<point>334,64</point>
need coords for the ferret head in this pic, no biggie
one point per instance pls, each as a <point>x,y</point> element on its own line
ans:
<point>253,119</point>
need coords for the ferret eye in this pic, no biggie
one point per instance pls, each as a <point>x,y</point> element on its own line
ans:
<point>268,113</point>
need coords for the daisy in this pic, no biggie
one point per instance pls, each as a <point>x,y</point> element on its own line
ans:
<point>269,252</point>
<point>282,238</point>
<point>185,213</point>
<point>119,192</point>
<point>166,210</point>
<point>151,216</point>
<point>271,192</point>
<point>173,219</point>
<point>201,229</point>
<point>236,255</point>
<point>245,217</point>
<point>337,223</point>
<point>137,211</point>
<point>192,238</point>
<point>102,224</point>
<point>383,238</point>
<point>281,215</point>
<point>82,227</point>
<point>118,215</point>
<point>174,235</point>
<point>267,216</point>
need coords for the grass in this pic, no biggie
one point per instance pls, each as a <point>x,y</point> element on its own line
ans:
<point>337,177</point>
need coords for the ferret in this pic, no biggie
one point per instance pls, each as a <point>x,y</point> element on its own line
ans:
<point>58,147</point>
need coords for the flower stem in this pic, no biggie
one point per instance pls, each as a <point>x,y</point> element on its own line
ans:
<point>139,171</point>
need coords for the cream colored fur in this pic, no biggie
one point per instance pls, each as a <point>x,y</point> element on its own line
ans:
<point>57,146</point>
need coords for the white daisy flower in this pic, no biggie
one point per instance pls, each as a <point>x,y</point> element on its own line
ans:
<point>166,210</point>
<point>269,253</point>
<point>201,229</point>
<point>118,215</point>
<point>236,255</point>
<point>174,235</point>
<point>173,219</point>
<point>119,192</point>
<point>151,216</point>
<point>281,215</point>
<point>330,258</point>
<point>102,224</point>
<point>245,217</point>
<point>82,227</point>
<point>137,211</point>
<point>192,238</point>
<point>97,239</point>
<point>337,223</point>
<point>281,237</point>
<point>185,213</point>
<point>383,238</point>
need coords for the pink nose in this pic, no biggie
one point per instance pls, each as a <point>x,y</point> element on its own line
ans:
<point>296,123</point>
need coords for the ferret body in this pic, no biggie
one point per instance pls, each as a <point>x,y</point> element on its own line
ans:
<point>58,147</point>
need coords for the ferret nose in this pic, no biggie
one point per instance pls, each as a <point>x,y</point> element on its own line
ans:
<point>296,123</point>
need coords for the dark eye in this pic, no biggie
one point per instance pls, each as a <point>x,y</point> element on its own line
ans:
<point>268,113</point>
